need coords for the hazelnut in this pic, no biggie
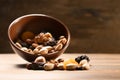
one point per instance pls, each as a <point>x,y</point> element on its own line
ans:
<point>40,59</point>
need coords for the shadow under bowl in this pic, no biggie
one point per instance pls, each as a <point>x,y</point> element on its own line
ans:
<point>37,23</point>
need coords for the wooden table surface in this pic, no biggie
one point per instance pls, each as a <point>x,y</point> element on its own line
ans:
<point>104,67</point>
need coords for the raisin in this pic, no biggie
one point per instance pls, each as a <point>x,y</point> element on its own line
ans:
<point>35,66</point>
<point>79,58</point>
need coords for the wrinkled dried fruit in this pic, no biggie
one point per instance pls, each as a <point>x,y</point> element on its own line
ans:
<point>79,58</point>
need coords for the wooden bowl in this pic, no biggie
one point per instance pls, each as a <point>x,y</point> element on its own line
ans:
<point>37,23</point>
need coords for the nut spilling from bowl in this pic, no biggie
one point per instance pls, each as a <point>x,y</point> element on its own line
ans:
<point>78,63</point>
<point>40,44</point>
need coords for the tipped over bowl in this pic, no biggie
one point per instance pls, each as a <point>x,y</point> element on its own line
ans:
<point>37,23</point>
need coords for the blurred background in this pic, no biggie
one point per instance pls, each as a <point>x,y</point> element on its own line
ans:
<point>94,24</point>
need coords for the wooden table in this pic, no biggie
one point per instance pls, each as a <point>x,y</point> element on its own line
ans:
<point>104,67</point>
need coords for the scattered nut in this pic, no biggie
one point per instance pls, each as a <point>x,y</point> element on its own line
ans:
<point>49,66</point>
<point>82,62</point>
<point>34,45</point>
<point>86,66</point>
<point>60,66</point>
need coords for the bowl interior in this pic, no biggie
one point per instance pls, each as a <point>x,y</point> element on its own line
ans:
<point>37,23</point>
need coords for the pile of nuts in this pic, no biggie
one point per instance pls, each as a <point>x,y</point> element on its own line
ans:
<point>79,63</point>
<point>40,44</point>
<point>45,43</point>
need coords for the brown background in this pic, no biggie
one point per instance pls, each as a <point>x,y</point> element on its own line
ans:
<point>94,24</point>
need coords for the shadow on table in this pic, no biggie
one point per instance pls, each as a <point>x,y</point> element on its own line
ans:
<point>20,65</point>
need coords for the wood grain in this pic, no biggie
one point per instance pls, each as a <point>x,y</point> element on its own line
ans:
<point>104,67</point>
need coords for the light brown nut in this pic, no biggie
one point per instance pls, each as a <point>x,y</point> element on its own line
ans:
<point>51,51</point>
<point>60,66</point>
<point>18,45</point>
<point>36,51</point>
<point>48,35</point>
<point>63,41</point>
<point>86,66</point>
<point>39,47</point>
<point>43,51</point>
<point>48,47</point>
<point>34,45</point>
<point>48,66</point>
<point>82,62</point>
<point>40,59</point>
<point>30,51</point>
<point>61,37</point>
<point>71,66</point>
<point>24,49</point>
<point>58,47</point>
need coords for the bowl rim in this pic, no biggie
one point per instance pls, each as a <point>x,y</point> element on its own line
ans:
<point>44,15</point>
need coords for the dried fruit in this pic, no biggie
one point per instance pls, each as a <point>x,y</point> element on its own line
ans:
<point>71,66</point>
<point>69,61</point>
<point>79,58</point>
<point>27,35</point>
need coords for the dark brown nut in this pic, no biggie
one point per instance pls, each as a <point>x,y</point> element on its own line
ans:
<point>24,49</point>
<point>31,47</point>
<point>60,66</point>
<point>71,66</point>
<point>43,51</point>
<point>18,45</point>
<point>35,45</point>
<point>58,47</point>
<point>29,41</point>
<point>27,35</point>
<point>40,59</point>
<point>49,66</point>
<point>60,60</point>
<point>51,42</point>
<point>86,66</point>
